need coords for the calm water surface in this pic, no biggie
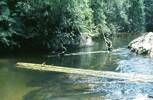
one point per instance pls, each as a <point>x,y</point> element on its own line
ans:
<point>16,84</point>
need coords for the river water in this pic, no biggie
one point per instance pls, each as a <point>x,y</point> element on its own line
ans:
<point>17,84</point>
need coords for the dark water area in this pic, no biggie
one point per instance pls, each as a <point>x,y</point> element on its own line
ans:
<point>18,84</point>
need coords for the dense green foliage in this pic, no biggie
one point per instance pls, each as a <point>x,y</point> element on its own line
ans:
<point>119,15</point>
<point>60,23</point>
<point>50,24</point>
<point>149,14</point>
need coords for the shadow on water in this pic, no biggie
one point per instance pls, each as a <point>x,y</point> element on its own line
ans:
<point>18,84</point>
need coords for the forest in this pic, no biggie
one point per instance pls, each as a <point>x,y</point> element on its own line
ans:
<point>59,24</point>
<point>76,49</point>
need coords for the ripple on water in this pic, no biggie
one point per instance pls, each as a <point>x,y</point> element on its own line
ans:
<point>120,89</point>
<point>117,89</point>
<point>124,53</point>
<point>136,65</point>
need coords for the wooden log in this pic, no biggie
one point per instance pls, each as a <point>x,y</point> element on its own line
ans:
<point>132,77</point>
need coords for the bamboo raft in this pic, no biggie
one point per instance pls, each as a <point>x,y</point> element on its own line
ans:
<point>87,53</point>
<point>80,53</point>
<point>132,77</point>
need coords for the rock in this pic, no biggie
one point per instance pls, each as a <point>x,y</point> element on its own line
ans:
<point>143,44</point>
<point>86,40</point>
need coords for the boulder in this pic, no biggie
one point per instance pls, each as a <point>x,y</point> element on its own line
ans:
<point>86,40</point>
<point>143,44</point>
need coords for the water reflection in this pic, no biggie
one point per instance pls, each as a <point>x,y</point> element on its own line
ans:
<point>69,87</point>
<point>28,85</point>
<point>12,83</point>
<point>61,88</point>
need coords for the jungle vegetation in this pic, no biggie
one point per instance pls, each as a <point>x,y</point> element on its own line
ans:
<point>58,24</point>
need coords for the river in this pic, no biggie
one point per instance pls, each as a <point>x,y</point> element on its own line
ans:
<point>17,84</point>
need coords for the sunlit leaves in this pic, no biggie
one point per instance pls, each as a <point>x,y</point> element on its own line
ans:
<point>61,22</point>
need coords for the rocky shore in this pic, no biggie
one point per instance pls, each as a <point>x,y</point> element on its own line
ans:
<point>143,44</point>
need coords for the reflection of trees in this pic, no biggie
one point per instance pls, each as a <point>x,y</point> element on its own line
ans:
<point>54,87</point>
<point>101,61</point>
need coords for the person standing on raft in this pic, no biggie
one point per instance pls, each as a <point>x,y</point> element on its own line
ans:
<point>108,42</point>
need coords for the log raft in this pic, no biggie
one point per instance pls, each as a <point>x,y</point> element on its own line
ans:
<point>131,77</point>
